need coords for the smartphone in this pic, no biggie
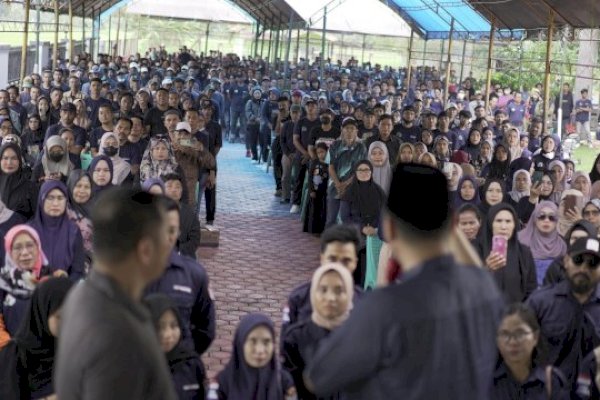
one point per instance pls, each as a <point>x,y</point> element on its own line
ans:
<point>570,202</point>
<point>185,142</point>
<point>537,176</point>
<point>499,245</point>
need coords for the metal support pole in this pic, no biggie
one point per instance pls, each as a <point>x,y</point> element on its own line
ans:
<point>71,47</point>
<point>55,49</point>
<point>286,68</point>
<point>410,49</point>
<point>25,45</point>
<point>520,65</point>
<point>307,43</point>
<point>124,38</point>
<point>550,37</point>
<point>206,38</point>
<point>488,78</point>
<point>462,62</point>
<point>276,48</point>
<point>93,38</point>
<point>262,41</point>
<point>116,49</point>
<point>364,45</point>
<point>424,51</point>
<point>99,28</point>
<point>83,46</point>
<point>323,38</point>
<point>442,55</point>
<point>297,45</point>
<point>270,43</point>
<point>38,52</point>
<point>110,34</point>
<point>449,62</point>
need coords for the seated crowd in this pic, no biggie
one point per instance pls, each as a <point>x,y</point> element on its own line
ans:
<point>157,122</point>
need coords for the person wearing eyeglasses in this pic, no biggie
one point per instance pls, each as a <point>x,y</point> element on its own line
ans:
<point>521,371</point>
<point>542,238</point>
<point>591,212</point>
<point>569,311</point>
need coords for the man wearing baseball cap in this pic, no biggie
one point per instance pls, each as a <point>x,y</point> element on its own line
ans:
<point>431,337</point>
<point>569,311</point>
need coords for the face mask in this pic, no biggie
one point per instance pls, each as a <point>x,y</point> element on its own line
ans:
<point>111,151</point>
<point>325,120</point>
<point>56,157</point>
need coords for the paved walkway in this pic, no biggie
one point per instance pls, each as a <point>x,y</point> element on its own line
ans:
<point>262,255</point>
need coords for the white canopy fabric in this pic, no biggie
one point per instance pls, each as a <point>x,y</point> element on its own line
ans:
<point>203,10</point>
<point>370,17</point>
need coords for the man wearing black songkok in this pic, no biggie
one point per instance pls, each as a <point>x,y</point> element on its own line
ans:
<point>431,337</point>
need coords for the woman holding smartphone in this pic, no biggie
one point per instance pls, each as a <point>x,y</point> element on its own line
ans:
<point>510,262</point>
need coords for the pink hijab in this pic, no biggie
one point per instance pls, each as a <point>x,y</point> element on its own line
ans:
<point>8,242</point>
<point>543,246</point>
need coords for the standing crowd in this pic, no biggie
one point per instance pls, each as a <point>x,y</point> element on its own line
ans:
<point>104,169</point>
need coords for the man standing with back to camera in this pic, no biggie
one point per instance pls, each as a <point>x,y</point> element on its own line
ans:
<point>432,336</point>
<point>108,347</point>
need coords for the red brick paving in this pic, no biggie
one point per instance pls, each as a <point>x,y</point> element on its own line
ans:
<point>259,260</point>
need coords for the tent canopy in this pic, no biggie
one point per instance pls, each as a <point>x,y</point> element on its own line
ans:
<point>432,19</point>
<point>207,10</point>
<point>352,16</point>
<point>535,14</point>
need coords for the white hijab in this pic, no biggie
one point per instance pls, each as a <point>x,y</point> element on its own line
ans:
<point>121,168</point>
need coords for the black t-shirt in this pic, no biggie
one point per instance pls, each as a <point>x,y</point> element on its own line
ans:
<point>364,133</point>
<point>303,128</point>
<point>318,135</point>
<point>92,107</point>
<point>154,118</point>
<point>410,135</point>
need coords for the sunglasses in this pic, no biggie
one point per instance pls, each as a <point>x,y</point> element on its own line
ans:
<point>591,260</point>
<point>549,217</point>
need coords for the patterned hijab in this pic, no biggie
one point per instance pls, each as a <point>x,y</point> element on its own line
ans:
<point>151,168</point>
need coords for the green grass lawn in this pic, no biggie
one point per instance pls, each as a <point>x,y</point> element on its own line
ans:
<point>584,158</point>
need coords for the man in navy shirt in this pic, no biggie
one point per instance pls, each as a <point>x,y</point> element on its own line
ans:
<point>67,116</point>
<point>569,312</point>
<point>94,101</point>
<point>583,109</point>
<point>237,95</point>
<point>432,336</point>
<point>516,109</point>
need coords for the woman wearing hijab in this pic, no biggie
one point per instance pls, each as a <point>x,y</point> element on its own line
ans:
<point>595,172</point>
<point>331,294</point>
<point>442,150</point>
<point>382,171</point>
<point>155,186</point>
<point>556,270</point>
<point>61,239</point>
<point>55,163</point>
<point>79,209</point>
<point>492,193</point>
<point>109,146</point>
<point>318,179</point>
<point>515,165</point>
<point>32,138</point>
<point>25,264</point>
<point>581,181</point>
<point>428,159</point>
<point>559,172</point>
<point>159,160</point>
<point>253,371</point>
<point>539,191</point>
<point>17,192</point>
<point>567,218</point>
<point>101,171</point>
<point>28,360</point>
<point>186,368</point>
<point>407,152</point>
<point>521,186</point>
<point>362,205</point>
<point>485,156</point>
<point>513,143</point>
<point>473,145</point>
<point>542,238</point>
<point>514,272</point>
<point>467,192</point>
<point>453,173</point>
<point>499,167</point>
<point>545,155</point>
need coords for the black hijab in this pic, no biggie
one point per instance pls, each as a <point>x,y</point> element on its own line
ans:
<point>96,190</point>
<point>499,169</point>
<point>158,304</point>
<point>473,149</point>
<point>241,381</point>
<point>484,205</point>
<point>368,196</point>
<point>508,278</point>
<point>35,342</point>
<point>10,182</point>
<point>74,177</point>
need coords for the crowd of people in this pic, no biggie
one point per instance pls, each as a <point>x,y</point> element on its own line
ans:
<point>105,165</point>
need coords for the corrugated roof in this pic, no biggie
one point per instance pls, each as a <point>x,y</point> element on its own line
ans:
<point>432,19</point>
<point>534,14</point>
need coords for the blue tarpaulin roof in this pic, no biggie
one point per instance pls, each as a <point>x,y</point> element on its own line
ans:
<point>432,19</point>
